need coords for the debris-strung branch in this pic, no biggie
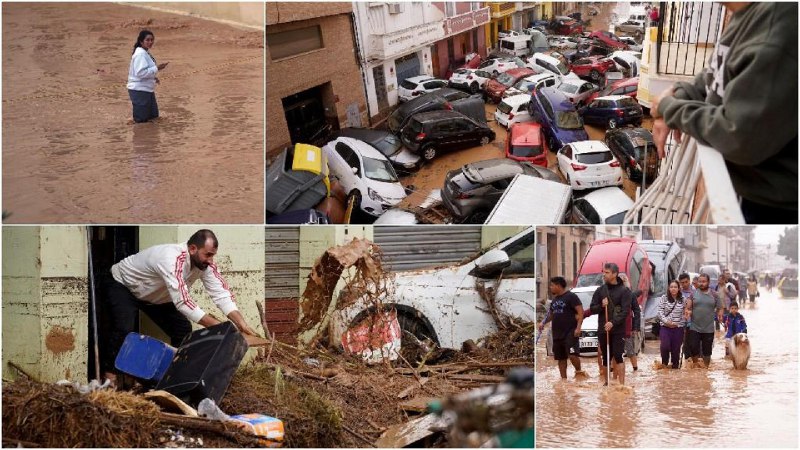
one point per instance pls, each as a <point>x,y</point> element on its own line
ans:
<point>225,429</point>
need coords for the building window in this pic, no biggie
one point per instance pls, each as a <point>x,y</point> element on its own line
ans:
<point>563,257</point>
<point>449,9</point>
<point>575,258</point>
<point>294,42</point>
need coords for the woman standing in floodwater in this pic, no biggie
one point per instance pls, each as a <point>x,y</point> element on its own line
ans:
<point>142,78</point>
<point>671,315</point>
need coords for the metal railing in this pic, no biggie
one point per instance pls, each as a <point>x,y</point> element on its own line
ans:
<point>690,176</point>
<point>687,32</point>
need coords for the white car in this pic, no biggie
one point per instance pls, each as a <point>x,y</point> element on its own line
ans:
<point>472,80</point>
<point>562,42</point>
<point>507,33</point>
<point>513,110</point>
<point>627,62</point>
<point>588,340</point>
<point>589,165</point>
<point>539,63</point>
<point>577,91</point>
<point>365,174</point>
<point>631,42</point>
<point>497,66</point>
<point>531,83</point>
<point>602,206</point>
<point>419,85</point>
<point>446,304</point>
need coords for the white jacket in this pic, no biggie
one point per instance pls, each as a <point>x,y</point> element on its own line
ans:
<point>164,273</point>
<point>143,71</point>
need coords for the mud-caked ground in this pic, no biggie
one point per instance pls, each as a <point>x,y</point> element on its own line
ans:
<point>71,153</point>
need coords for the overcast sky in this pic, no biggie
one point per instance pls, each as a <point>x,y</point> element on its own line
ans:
<point>768,234</point>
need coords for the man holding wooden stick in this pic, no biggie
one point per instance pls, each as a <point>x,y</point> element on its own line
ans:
<point>612,302</point>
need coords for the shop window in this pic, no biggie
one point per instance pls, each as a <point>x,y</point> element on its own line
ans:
<point>294,42</point>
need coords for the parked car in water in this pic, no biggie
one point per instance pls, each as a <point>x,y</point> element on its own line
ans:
<point>507,33</point>
<point>420,296</point>
<point>631,27</point>
<point>565,26</point>
<point>629,63</point>
<point>631,43</point>
<point>472,80</point>
<point>513,110</point>
<point>589,165</point>
<point>592,67</point>
<point>612,111</point>
<point>668,261</point>
<point>608,39</point>
<point>560,121</point>
<point>419,85</point>
<point>531,83</point>
<point>431,133</point>
<point>525,142</point>
<point>625,86</point>
<point>635,149</point>
<point>495,88</point>
<point>386,143</point>
<point>588,340</point>
<point>577,91</point>
<point>541,62</point>
<point>496,66</point>
<point>562,42</point>
<point>365,174</point>
<point>605,206</point>
<point>519,45</point>
<point>470,193</point>
<point>445,98</point>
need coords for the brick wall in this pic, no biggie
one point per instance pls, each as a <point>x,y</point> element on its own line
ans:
<point>336,63</point>
<point>278,12</point>
<point>282,317</point>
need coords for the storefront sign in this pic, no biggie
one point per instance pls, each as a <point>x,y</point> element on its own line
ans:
<point>390,45</point>
<point>466,21</point>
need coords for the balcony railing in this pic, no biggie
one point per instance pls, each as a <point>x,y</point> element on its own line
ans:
<point>689,176</point>
<point>502,9</point>
<point>686,36</point>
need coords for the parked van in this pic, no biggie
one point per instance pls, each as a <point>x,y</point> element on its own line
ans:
<point>628,255</point>
<point>668,259</point>
<point>515,45</point>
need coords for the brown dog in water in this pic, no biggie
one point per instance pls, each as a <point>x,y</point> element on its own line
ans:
<point>740,351</point>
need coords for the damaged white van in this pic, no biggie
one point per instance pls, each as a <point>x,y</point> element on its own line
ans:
<point>449,305</point>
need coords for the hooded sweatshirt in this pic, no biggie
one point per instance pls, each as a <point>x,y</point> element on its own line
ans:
<point>744,103</point>
<point>142,71</point>
<point>619,306</point>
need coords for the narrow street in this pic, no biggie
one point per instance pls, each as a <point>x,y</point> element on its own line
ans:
<point>685,407</point>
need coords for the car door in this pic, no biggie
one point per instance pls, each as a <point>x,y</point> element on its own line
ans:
<point>466,133</point>
<point>593,112</point>
<point>578,217</point>
<point>344,169</point>
<point>564,160</point>
<point>445,135</point>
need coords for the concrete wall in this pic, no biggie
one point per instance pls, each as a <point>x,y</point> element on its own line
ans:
<point>240,260</point>
<point>250,14</point>
<point>45,302</point>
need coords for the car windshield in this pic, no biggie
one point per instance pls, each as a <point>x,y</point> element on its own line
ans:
<point>569,120</point>
<point>563,68</point>
<point>589,279</point>
<point>462,71</point>
<point>627,101</point>
<point>568,88</point>
<point>519,62</point>
<point>408,85</point>
<point>616,219</point>
<point>505,79</point>
<point>525,151</point>
<point>388,146</point>
<point>379,170</point>
<point>594,157</point>
<point>412,129</point>
<point>504,108</point>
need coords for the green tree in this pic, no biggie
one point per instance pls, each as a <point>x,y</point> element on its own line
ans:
<point>787,244</point>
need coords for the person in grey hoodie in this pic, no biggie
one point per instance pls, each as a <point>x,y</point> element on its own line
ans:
<point>744,105</point>
<point>615,298</point>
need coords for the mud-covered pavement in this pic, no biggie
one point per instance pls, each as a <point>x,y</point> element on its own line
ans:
<point>719,407</point>
<point>70,153</point>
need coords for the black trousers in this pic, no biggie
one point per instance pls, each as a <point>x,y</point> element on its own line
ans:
<point>122,310</point>
<point>701,343</point>
<point>145,106</point>
<point>617,346</point>
<point>755,213</point>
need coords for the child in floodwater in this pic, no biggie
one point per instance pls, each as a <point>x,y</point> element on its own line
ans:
<point>734,324</point>
<point>142,78</point>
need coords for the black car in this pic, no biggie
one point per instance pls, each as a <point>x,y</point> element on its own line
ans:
<point>430,133</point>
<point>613,111</point>
<point>630,145</point>
<point>386,143</point>
<point>432,101</point>
<point>470,193</point>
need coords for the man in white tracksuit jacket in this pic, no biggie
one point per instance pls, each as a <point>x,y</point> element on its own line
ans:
<point>156,281</point>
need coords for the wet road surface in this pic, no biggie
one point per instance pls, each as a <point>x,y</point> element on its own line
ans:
<point>70,153</point>
<point>720,407</point>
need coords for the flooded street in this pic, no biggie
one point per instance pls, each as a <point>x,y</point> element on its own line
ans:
<point>719,407</point>
<point>70,151</point>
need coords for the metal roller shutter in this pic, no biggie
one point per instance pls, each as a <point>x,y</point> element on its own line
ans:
<point>282,262</point>
<point>406,67</point>
<point>415,247</point>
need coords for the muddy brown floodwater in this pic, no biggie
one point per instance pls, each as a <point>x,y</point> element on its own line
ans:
<point>70,154</point>
<point>720,407</point>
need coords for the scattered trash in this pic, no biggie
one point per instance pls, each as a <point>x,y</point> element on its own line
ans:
<point>375,339</point>
<point>93,385</point>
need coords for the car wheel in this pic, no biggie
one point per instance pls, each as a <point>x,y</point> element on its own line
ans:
<point>478,217</point>
<point>429,152</point>
<point>484,140</point>
<point>594,75</point>
<point>612,123</point>
<point>473,88</point>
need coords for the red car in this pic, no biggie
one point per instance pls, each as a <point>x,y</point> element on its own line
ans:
<point>608,39</point>
<point>525,142</point>
<point>496,87</point>
<point>625,86</point>
<point>592,67</point>
<point>566,26</point>
<point>631,259</point>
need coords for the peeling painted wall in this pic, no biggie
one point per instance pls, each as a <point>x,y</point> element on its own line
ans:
<point>240,260</point>
<point>45,301</point>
